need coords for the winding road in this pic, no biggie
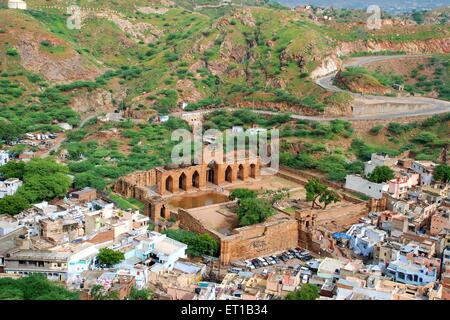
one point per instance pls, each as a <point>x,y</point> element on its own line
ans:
<point>434,106</point>
<point>430,106</point>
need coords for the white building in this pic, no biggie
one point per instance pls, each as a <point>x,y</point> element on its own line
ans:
<point>378,160</point>
<point>364,238</point>
<point>9,187</point>
<point>163,118</point>
<point>425,169</point>
<point>17,4</point>
<point>166,250</point>
<point>8,224</point>
<point>366,187</point>
<point>4,157</point>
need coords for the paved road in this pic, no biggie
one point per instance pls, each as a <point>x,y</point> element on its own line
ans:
<point>435,106</point>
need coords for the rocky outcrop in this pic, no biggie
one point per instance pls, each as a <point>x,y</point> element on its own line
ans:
<point>245,17</point>
<point>187,91</point>
<point>329,65</point>
<point>229,53</point>
<point>333,63</point>
<point>412,47</point>
<point>96,101</point>
<point>138,31</point>
<point>65,68</point>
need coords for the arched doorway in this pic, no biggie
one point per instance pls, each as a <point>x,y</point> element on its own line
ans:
<point>211,172</point>
<point>240,174</point>
<point>253,170</point>
<point>229,174</point>
<point>169,184</point>
<point>196,179</point>
<point>163,212</point>
<point>182,181</point>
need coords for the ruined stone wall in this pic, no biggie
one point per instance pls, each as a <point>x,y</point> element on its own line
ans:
<point>302,178</point>
<point>259,240</point>
<point>129,184</point>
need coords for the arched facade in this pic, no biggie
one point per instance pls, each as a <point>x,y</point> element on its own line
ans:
<point>199,176</point>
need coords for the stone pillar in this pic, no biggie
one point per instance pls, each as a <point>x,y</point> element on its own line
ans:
<point>219,176</point>
<point>175,183</point>
<point>165,212</point>
<point>155,212</point>
<point>234,176</point>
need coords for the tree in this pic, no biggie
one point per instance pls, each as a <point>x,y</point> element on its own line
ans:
<point>13,204</point>
<point>242,193</point>
<point>109,257</point>
<point>140,294</point>
<point>45,187</point>
<point>442,173</point>
<point>318,192</point>
<point>276,196</point>
<point>381,174</point>
<point>13,169</point>
<point>306,292</point>
<point>44,167</point>
<point>253,210</point>
<point>98,292</point>
<point>34,287</point>
<point>198,244</point>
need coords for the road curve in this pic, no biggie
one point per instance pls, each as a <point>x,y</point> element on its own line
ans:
<point>436,106</point>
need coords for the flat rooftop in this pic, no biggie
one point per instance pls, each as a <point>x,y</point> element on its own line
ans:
<point>218,218</point>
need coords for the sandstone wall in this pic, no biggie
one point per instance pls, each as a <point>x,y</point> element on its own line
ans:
<point>259,240</point>
<point>131,185</point>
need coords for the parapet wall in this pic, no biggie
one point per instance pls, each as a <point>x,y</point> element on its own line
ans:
<point>259,240</point>
<point>388,107</point>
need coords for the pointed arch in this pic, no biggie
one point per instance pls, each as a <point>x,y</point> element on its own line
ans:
<point>182,182</point>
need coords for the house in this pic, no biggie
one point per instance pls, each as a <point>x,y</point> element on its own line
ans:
<point>366,187</point>
<point>329,268</point>
<point>118,221</point>
<point>26,156</point>
<point>399,186</point>
<point>385,252</point>
<point>378,160</point>
<point>17,4</point>
<point>281,282</point>
<point>8,224</point>
<point>4,157</point>
<point>164,250</point>
<point>109,281</point>
<point>425,169</point>
<point>24,262</point>
<point>86,194</point>
<point>440,221</point>
<point>180,282</point>
<point>364,238</point>
<point>9,187</point>
<point>410,273</point>
<point>61,229</point>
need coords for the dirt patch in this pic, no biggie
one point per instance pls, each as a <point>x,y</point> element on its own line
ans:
<point>103,138</point>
